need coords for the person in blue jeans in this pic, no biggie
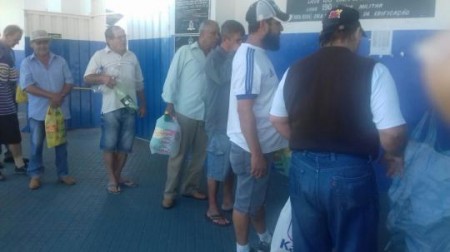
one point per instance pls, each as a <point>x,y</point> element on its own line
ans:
<point>115,72</point>
<point>337,108</point>
<point>48,81</point>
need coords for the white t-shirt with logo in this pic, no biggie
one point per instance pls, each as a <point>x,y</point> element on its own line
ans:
<point>254,77</point>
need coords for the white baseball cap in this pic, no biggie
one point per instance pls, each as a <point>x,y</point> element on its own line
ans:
<point>265,9</point>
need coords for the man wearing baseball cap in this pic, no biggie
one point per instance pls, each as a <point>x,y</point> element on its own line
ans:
<point>253,138</point>
<point>337,108</point>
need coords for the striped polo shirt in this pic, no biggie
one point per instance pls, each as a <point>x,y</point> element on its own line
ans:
<point>8,79</point>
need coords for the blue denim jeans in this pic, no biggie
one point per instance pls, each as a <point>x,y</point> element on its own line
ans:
<point>118,130</point>
<point>218,156</point>
<point>36,166</point>
<point>334,202</point>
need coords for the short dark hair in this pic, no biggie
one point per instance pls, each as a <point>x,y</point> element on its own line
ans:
<point>12,29</point>
<point>231,27</point>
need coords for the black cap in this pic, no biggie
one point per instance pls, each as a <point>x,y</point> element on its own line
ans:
<point>265,9</point>
<point>339,19</point>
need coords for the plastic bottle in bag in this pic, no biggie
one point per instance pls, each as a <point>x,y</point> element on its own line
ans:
<point>125,99</point>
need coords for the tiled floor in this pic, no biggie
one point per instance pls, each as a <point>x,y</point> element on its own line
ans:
<point>85,217</point>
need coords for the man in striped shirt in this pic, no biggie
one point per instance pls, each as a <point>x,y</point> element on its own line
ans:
<point>9,124</point>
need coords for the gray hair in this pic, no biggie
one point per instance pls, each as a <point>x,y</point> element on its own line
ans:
<point>12,29</point>
<point>207,24</point>
<point>109,32</point>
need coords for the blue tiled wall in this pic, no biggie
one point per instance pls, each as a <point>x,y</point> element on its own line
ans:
<point>154,56</point>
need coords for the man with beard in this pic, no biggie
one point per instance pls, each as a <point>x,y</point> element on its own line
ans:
<point>253,138</point>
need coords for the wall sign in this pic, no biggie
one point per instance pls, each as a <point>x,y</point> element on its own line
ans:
<point>189,14</point>
<point>310,10</point>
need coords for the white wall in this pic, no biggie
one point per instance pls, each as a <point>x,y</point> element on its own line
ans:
<point>13,12</point>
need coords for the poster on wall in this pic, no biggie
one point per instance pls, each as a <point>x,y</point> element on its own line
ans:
<point>313,10</point>
<point>189,14</point>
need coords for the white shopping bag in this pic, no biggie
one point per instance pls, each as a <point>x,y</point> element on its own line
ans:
<point>166,137</point>
<point>282,236</point>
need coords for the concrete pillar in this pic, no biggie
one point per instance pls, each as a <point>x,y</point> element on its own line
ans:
<point>98,24</point>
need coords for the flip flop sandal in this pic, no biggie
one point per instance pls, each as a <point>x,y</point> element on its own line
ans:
<point>128,183</point>
<point>196,196</point>
<point>113,189</point>
<point>216,218</point>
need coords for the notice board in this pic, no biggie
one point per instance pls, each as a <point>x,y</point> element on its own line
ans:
<point>189,14</point>
<point>312,10</point>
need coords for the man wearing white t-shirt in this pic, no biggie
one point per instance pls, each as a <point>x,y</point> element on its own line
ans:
<point>253,138</point>
<point>337,108</point>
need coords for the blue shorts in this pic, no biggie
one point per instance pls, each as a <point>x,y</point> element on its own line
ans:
<point>118,130</point>
<point>250,192</point>
<point>218,159</point>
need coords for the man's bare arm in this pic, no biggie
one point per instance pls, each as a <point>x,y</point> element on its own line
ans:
<point>393,141</point>
<point>281,124</point>
<point>248,126</point>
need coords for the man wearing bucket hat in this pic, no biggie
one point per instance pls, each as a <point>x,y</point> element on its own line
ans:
<point>48,81</point>
<point>253,138</point>
<point>337,108</point>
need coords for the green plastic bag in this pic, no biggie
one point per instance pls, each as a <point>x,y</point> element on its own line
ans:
<point>55,130</point>
<point>281,161</point>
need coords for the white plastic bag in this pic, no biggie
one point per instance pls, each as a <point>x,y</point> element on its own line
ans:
<point>166,136</point>
<point>282,236</point>
<point>419,214</point>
